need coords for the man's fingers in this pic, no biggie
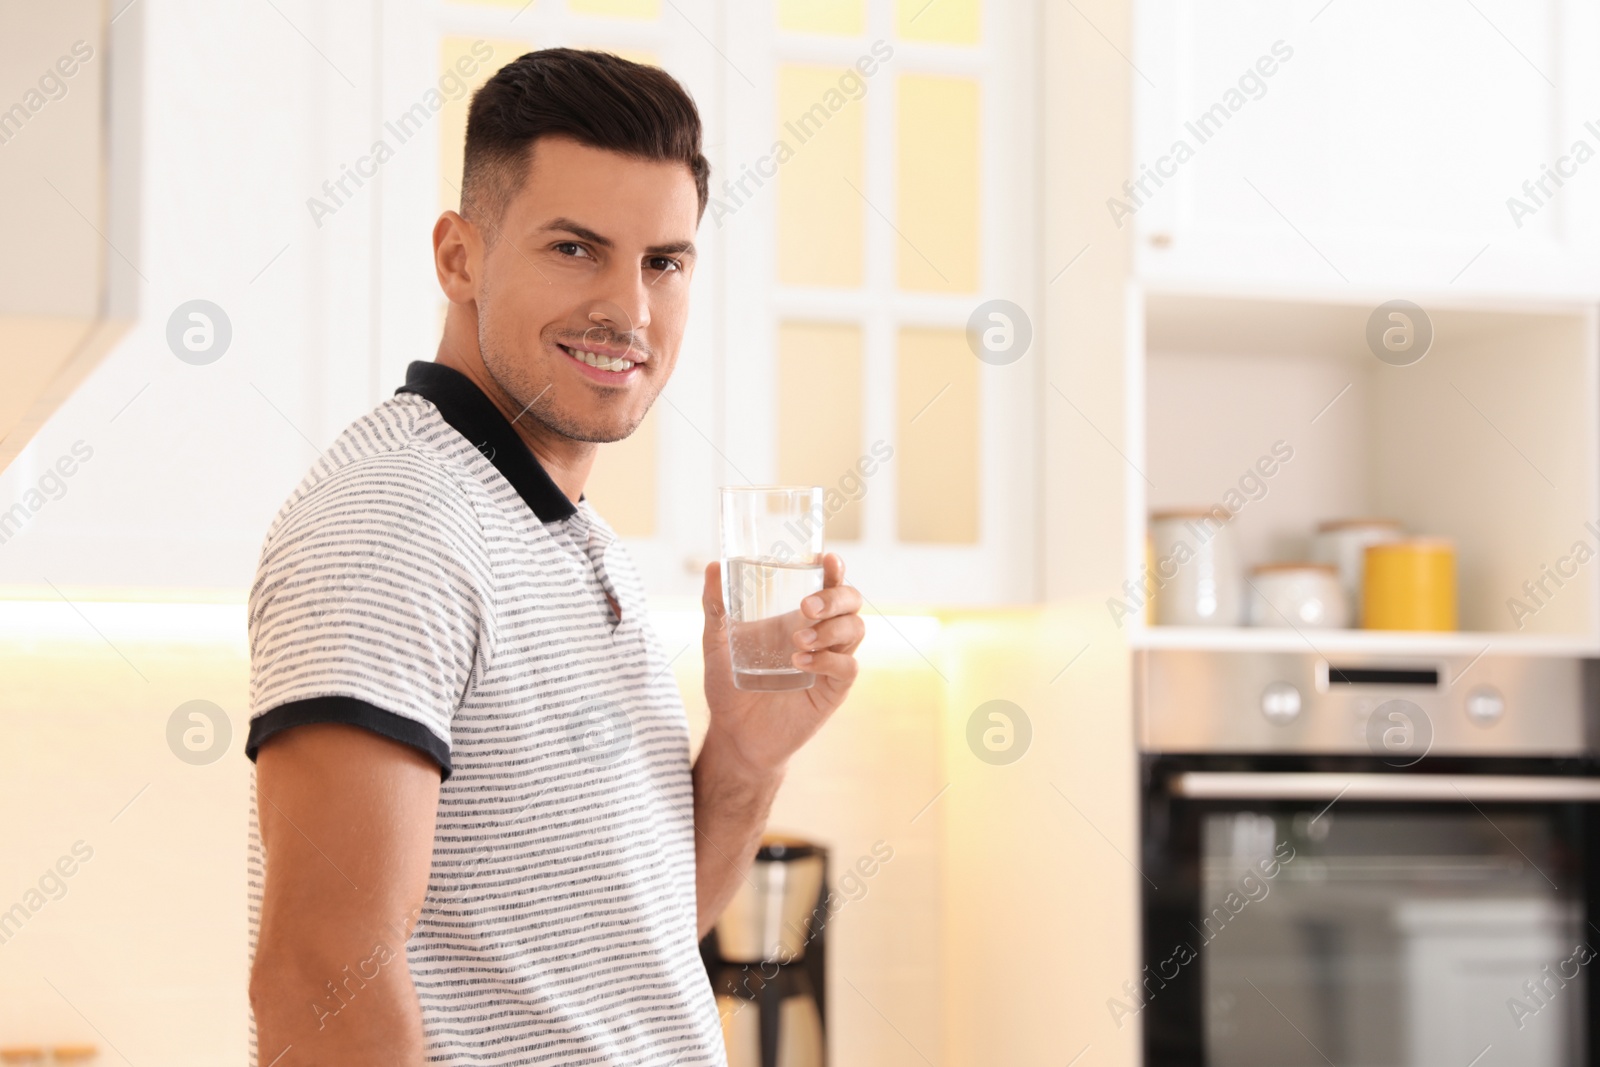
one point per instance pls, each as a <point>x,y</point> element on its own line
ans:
<point>828,664</point>
<point>832,570</point>
<point>837,600</point>
<point>843,632</point>
<point>711,597</point>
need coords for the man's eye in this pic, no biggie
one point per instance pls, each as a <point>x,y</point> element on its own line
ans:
<point>665,263</point>
<point>571,248</point>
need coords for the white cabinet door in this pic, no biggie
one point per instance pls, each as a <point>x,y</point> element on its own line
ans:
<point>875,195</point>
<point>1363,145</point>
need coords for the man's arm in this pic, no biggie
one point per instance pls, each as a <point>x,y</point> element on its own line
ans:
<point>347,822</point>
<point>752,735</point>
<point>731,803</point>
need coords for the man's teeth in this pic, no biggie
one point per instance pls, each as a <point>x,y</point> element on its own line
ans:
<point>611,363</point>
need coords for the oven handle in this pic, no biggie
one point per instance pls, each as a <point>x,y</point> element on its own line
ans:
<point>1220,785</point>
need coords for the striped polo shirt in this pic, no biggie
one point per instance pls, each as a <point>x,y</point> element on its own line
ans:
<point>429,582</point>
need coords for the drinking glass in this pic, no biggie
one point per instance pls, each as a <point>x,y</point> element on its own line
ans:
<point>771,560</point>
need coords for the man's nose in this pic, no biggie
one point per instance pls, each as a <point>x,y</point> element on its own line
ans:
<point>623,305</point>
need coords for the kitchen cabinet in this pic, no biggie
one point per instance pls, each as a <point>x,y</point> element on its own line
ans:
<point>872,204</point>
<point>1365,146</point>
<point>73,126</point>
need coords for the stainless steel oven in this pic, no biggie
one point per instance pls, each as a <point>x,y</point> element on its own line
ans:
<point>1374,861</point>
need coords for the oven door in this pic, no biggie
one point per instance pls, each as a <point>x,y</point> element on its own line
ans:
<point>1337,911</point>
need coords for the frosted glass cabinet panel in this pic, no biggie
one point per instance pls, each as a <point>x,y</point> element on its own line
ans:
<point>626,9</point>
<point>939,21</point>
<point>939,434</point>
<point>937,168</point>
<point>847,18</point>
<point>820,213</point>
<point>819,420</point>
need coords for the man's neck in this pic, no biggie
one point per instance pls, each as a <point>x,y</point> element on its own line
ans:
<point>566,461</point>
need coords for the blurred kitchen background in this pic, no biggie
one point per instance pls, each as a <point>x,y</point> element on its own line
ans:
<point>1198,387</point>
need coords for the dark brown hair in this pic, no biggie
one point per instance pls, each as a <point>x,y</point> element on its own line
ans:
<point>595,98</point>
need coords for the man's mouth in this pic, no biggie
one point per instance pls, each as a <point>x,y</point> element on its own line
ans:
<point>606,361</point>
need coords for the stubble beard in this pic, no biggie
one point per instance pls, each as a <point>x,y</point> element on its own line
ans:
<point>536,399</point>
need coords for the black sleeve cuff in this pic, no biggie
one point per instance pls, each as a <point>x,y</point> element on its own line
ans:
<point>355,713</point>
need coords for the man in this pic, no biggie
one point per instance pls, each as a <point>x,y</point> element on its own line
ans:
<point>480,837</point>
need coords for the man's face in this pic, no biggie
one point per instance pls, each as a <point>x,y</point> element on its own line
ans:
<point>590,265</point>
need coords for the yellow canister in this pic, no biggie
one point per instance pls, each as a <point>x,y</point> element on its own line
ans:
<point>1409,584</point>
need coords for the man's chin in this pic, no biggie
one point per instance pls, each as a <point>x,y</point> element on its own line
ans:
<point>596,431</point>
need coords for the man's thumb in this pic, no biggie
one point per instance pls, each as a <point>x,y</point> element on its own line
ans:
<point>711,601</point>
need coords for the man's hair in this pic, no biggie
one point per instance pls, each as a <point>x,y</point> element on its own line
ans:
<point>595,98</point>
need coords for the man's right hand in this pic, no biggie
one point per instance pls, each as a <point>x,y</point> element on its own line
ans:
<point>347,820</point>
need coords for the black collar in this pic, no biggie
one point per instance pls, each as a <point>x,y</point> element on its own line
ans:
<point>475,417</point>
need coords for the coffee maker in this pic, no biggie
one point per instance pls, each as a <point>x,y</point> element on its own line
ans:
<point>766,958</point>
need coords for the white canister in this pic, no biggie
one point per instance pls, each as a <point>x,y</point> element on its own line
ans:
<point>1195,568</point>
<point>1343,543</point>
<point>1306,596</point>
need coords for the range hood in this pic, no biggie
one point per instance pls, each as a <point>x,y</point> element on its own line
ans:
<point>70,90</point>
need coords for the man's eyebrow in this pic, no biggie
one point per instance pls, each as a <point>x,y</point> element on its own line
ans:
<point>577,229</point>
<point>672,248</point>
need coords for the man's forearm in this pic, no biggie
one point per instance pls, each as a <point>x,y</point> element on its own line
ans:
<point>331,1010</point>
<point>732,799</point>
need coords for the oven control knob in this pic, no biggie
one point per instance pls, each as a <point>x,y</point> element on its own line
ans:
<point>1485,705</point>
<point>1280,703</point>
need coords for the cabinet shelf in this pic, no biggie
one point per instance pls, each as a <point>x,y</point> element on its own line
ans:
<point>1357,642</point>
<point>1280,411</point>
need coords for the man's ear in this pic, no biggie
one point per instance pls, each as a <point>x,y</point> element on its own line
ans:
<point>457,257</point>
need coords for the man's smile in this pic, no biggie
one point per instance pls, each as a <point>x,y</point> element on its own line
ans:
<point>608,362</point>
